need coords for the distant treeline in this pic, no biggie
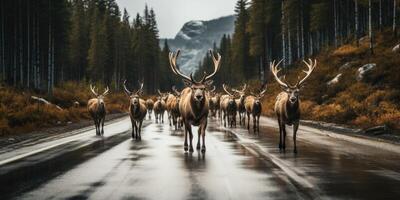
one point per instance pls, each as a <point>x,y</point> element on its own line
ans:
<point>267,30</point>
<point>47,42</point>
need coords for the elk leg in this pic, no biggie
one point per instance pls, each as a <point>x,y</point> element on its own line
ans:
<point>254,123</point>
<point>280,133</point>
<point>224,119</point>
<point>203,135</point>
<point>248,121</point>
<point>198,138</point>
<point>295,127</point>
<point>284,136</point>
<point>102,126</point>
<point>185,145</point>
<point>95,125</point>
<point>190,138</point>
<point>258,123</point>
<point>140,130</point>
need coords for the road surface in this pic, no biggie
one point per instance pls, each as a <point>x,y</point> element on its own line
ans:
<point>237,165</point>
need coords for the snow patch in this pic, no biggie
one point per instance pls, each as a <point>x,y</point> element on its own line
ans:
<point>396,48</point>
<point>334,80</point>
<point>364,69</point>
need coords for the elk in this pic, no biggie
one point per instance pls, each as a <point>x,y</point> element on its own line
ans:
<point>252,104</point>
<point>174,108</point>
<point>240,104</point>
<point>159,109</point>
<point>149,106</point>
<point>287,105</point>
<point>229,108</point>
<point>168,98</point>
<point>137,110</point>
<point>194,103</point>
<point>97,110</point>
<point>214,102</point>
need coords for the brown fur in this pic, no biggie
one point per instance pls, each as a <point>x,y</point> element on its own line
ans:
<point>150,106</point>
<point>159,109</point>
<point>97,110</point>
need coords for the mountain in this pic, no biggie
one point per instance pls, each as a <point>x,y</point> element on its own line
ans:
<point>196,37</point>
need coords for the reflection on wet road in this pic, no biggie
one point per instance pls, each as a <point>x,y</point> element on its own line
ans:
<point>237,165</point>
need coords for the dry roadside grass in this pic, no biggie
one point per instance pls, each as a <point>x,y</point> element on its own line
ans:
<point>20,114</point>
<point>373,101</point>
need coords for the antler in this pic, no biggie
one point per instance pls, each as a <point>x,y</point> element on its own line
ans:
<point>242,90</point>
<point>140,90</point>
<point>263,91</point>
<point>126,89</point>
<point>275,71</point>
<point>172,61</point>
<point>226,90</point>
<point>106,91</point>
<point>92,89</point>
<point>176,91</point>
<point>311,66</point>
<point>217,64</point>
<point>213,89</point>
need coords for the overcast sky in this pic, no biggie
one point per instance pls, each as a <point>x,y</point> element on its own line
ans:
<point>172,14</point>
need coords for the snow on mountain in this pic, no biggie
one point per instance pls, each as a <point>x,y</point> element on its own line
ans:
<point>196,37</point>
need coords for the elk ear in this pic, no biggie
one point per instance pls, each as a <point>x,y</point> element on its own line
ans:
<point>187,83</point>
<point>208,83</point>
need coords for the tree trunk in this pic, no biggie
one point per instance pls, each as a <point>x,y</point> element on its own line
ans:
<point>380,15</point>
<point>29,47</point>
<point>302,30</point>
<point>289,45</point>
<point>335,22</point>
<point>15,53</point>
<point>298,39</point>
<point>283,34</point>
<point>371,46</point>
<point>49,89</point>
<point>356,21</point>
<point>3,64</point>
<point>21,72</point>
<point>394,18</point>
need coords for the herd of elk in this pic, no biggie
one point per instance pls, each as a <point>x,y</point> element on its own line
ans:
<point>137,110</point>
<point>191,106</point>
<point>97,110</point>
<point>287,105</point>
<point>194,103</point>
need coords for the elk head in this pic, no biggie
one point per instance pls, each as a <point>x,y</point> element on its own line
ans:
<point>100,97</point>
<point>177,93</point>
<point>231,96</point>
<point>198,88</point>
<point>163,96</point>
<point>258,96</point>
<point>241,93</point>
<point>292,90</point>
<point>134,96</point>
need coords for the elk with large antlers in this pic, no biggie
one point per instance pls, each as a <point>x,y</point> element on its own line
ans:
<point>287,105</point>
<point>240,104</point>
<point>97,110</point>
<point>137,110</point>
<point>193,104</point>
<point>252,104</point>
<point>228,107</point>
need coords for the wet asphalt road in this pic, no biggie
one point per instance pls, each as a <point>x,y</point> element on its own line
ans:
<point>237,165</point>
